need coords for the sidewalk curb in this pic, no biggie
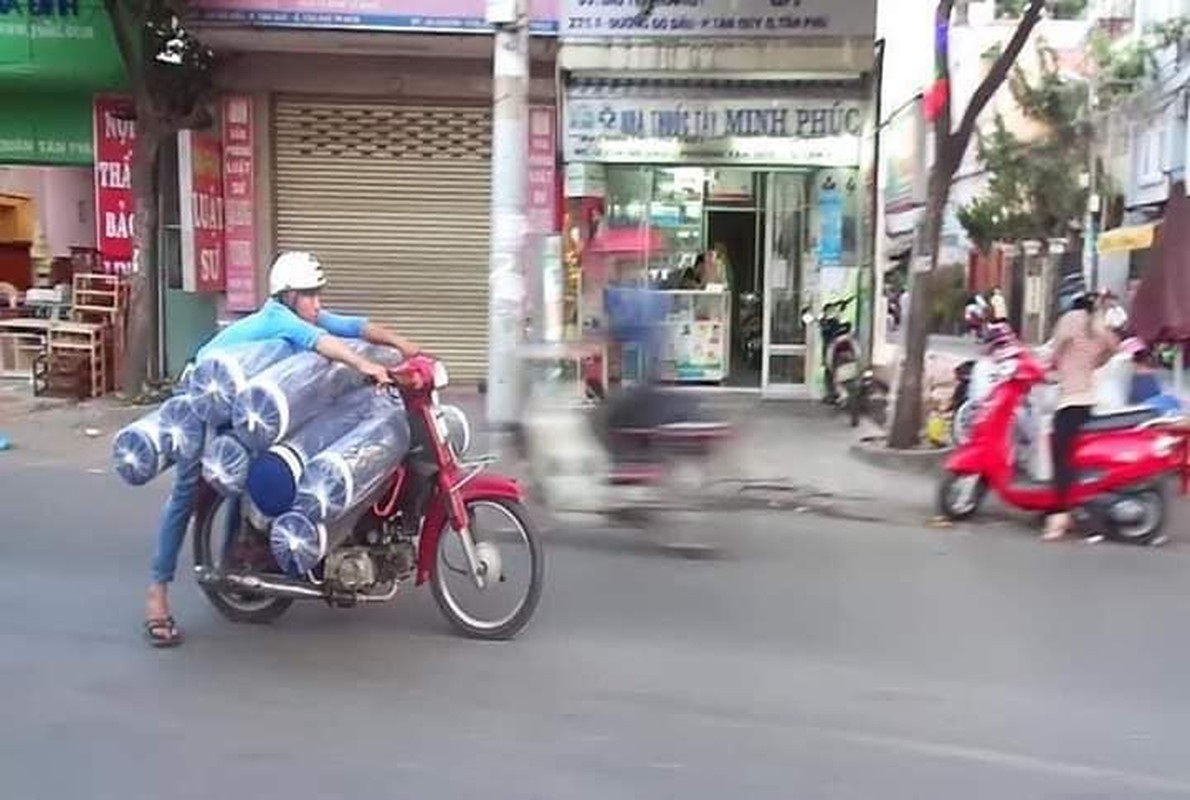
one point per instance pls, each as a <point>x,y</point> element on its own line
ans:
<point>872,451</point>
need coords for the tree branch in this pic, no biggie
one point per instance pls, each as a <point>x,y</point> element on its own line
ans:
<point>996,75</point>
<point>123,28</point>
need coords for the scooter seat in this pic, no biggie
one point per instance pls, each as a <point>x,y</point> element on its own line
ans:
<point>1120,420</point>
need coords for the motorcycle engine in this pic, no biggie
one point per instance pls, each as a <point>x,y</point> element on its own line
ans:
<point>351,569</point>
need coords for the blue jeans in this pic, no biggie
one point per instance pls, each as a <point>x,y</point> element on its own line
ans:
<point>175,520</point>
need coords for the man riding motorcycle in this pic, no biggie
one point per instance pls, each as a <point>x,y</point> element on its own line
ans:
<point>293,313</point>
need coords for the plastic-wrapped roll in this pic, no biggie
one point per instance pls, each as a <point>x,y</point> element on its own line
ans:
<point>217,379</point>
<point>225,464</point>
<point>285,396</point>
<point>350,470</point>
<point>298,543</point>
<point>272,480</point>
<point>139,452</point>
<point>184,433</point>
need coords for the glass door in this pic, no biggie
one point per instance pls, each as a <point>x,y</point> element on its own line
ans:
<point>785,368</point>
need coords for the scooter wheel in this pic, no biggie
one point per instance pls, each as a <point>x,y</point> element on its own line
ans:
<point>960,496</point>
<point>1146,521</point>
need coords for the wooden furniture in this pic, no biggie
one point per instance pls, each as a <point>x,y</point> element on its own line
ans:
<point>45,351</point>
<point>22,340</point>
<point>16,264</point>
<point>69,343</point>
<point>103,300</point>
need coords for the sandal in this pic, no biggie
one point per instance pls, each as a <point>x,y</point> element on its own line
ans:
<point>163,632</point>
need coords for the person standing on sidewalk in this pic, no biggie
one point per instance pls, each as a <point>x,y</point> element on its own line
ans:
<point>1081,344</point>
<point>293,313</point>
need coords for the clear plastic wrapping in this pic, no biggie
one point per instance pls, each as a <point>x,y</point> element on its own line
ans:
<point>184,433</point>
<point>298,543</point>
<point>139,452</point>
<point>217,379</point>
<point>346,473</point>
<point>272,480</point>
<point>225,464</point>
<point>285,396</point>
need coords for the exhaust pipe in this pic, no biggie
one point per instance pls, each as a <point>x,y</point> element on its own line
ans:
<point>271,586</point>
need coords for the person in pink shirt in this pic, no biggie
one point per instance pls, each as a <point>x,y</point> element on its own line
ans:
<point>1081,344</point>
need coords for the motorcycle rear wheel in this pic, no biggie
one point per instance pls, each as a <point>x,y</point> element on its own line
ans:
<point>234,606</point>
<point>1149,530</point>
<point>511,624</point>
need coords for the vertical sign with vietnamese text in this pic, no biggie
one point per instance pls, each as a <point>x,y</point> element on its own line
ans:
<point>114,137</point>
<point>239,206</point>
<point>200,179</point>
<point>543,179</point>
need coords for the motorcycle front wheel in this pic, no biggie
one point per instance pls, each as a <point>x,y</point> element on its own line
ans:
<point>508,546</point>
<point>960,496</point>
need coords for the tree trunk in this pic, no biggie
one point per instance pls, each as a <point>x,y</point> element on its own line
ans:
<point>140,355</point>
<point>907,415</point>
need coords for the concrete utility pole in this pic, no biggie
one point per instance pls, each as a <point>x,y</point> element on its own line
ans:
<point>510,177</point>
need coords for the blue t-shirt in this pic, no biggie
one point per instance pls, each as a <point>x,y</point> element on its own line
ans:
<point>275,320</point>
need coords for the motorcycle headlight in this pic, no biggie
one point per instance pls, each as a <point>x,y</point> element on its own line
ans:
<point>441,377</point>
<point>458,429</point>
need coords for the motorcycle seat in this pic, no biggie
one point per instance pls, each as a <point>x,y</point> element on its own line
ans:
<point>1120,420</point>
<point>693,430</point>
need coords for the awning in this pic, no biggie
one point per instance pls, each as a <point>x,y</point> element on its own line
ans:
<point>1122,240</point>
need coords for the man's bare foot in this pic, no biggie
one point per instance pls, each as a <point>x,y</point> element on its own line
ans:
<point>160,628</point>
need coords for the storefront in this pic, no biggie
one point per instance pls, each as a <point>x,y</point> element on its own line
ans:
<point>66,140</point>
<point>739,186</point>
<point>53,58</point>
<point>376,153</point>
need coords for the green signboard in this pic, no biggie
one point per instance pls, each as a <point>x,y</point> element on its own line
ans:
<point>51,129</point>
<point>58,46</point>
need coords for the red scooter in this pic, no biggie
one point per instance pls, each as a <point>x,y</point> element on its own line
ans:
<point>423,527</point>
<point>1123,461</point>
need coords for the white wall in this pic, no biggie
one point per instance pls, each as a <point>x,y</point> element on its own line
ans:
<point>65,202</point>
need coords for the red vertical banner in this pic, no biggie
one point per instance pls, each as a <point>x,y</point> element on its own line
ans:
<point>543,180</point>
<point>114,140</point>
<point>200,199</point>
<point>239,203</point>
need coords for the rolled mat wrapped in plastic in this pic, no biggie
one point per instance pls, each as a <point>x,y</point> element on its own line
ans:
<point>225,464</point>
<point>217,379</point>
<point>272,480</point>
<point>350,470</point>
<point>298,543</point>
<point>139,452</point>
<point>184,433</point>
<point>285,396</point>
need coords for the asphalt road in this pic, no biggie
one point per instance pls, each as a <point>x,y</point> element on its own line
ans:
<point>819,659</point>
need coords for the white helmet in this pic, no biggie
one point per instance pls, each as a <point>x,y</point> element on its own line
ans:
<point>295,272</point>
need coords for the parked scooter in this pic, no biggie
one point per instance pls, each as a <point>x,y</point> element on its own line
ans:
<point>848,387</point>
<point>751,328</point>
<point>1122,459</point>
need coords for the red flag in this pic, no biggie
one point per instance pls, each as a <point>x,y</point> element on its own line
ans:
<point>935,99</point>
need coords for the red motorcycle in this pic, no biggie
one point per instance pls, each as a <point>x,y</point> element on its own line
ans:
<point>1123,461</point>
<point>422,527</point>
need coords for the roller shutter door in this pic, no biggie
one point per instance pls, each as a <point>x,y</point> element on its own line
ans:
<point>394,200</point>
